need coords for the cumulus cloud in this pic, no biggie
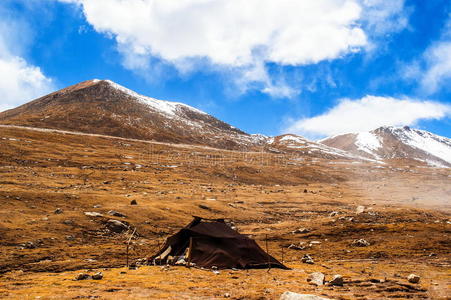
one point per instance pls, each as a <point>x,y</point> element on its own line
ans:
<point>239,34</point>
<point>432,69</point>
<point>368,113</point>
<point>20,81</point>
<point>438,62</point>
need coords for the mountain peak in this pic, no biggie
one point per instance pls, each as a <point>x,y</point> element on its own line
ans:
<point>389,142</point>
<point>105,107</point>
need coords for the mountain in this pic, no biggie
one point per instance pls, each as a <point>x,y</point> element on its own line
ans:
<point>104,107</point>
<point>291,143</point>
<point>387,143</point>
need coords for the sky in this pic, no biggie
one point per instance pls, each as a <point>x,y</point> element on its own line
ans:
<point>313,68</point>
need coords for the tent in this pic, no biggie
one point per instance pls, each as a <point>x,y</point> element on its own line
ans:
<point>212,243</point>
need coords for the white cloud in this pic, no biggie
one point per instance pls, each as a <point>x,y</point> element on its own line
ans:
<point>433,68</point>
<point>240,34</point>
<point>20,81</point>
<point>439,66</point>
<point>368,113</point>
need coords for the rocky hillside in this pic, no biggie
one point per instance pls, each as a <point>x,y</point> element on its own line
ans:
<point>104,107</point>
<point>291,143</point>
<point>387,143</point>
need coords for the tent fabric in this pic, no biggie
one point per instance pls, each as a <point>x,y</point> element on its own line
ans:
<point>212,243</point>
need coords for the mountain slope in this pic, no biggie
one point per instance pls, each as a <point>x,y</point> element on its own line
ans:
<point>291,143</point>
<point>389,142</point>
<point>104,107</point>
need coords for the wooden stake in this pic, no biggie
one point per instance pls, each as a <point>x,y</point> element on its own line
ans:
<point>267,252</point>
<point>128,243</point>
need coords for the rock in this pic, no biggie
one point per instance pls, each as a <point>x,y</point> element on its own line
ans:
<point>333,214</point>
<point>117,226</point>
<point>70,237</point>
<point>82,276</point>
<point>97,206</point>
<point>107,182</point>
<point>316,278</point>
<point>58,211</point>
<point>133,202</point>
<point>305,191</point>
<point>68,222</point>
<point>301,230</point>
<point>226,295</point>
<point>337,280</point>
<point>296,296</point>
<point>116,214</point>
<point>412,278</point>
<point>306,259</point>
<point>360,243</point>
<point>93,214</point>
<point>28,245</point>
<point>97,276</point>
<point>360,209</point>
<point>297,247</point>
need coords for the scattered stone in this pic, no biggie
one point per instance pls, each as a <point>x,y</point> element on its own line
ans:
<point>116,214</point>
<point>296,247</point>
<point>97,276</point>
<point>58,211</point>
<point>93,214</point>
<point>28,245</point>
<point>412,278</point>
<point>296,296</point>
<point>314,243</point>
<point>82,276</point>
<point>70,237</point>
<point>360,243</point>
<point>301,230</point>
<point>133,202</point>
<point>68,222</point>
<point>307,259</point>
<point>97,206</point>
<point>360,209</point>
<point>316,278</point>
<point>117,226</point>
<point>226,295</point>
<point>337,280</point>
<point>333,214</point>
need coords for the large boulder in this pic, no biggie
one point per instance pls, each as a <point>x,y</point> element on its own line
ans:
<point>296,296</point>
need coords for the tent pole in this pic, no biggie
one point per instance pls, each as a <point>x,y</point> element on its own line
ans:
<point>189,251</point>
<point>267,252</point>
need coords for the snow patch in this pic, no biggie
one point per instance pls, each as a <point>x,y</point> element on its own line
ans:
<point>368,142</point>
<point>166,107</point>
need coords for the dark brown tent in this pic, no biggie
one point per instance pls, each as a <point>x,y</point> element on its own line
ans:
<point>212,243</point>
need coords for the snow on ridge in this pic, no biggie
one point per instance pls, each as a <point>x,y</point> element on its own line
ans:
<point>293,138</point>
<point>430,143</point>
<point>368,142</point>
<point>167,107</point>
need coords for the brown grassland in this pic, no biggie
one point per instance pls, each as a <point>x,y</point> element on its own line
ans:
<point>406,220</point>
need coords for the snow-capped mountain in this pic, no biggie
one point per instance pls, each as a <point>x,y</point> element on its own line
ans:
<point>104,107</point>
<point>291,143</point>
<point>388,142</point>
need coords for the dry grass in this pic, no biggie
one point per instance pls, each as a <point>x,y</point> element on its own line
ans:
<point>406,220</point>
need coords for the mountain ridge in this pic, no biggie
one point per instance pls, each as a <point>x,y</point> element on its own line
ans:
<point>389,142</point>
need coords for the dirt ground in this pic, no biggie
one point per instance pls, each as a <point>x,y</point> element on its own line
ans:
<point>406,220</point>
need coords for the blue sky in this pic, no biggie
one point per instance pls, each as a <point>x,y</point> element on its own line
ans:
<point>313,68</point>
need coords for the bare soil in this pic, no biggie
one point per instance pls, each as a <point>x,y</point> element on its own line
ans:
<point>406,220</point>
